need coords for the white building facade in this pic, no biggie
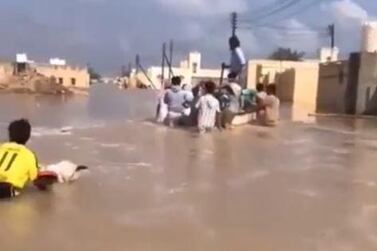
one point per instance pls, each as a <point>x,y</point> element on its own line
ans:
<point>190,70</point>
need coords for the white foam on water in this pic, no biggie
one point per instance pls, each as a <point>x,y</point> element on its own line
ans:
<point>369,142</point>
<point>62,131</point>
<point>42,131</point>
<point>88,126</point>
<point>307,193</point>
<point>296,142</point>
<point>368,183</point>
<point>248,178</point>
<point>208,152</point>
<point>303,168</point>
<point>334,130</point>
<point>179,189</point>
<point>66,129</point>
<point>363,223</point>
<point>139,164</point>
<point>259,174</point>
<point>110,145</point>
<point>129,148</point>
<point>176,190</point>
<point>332,166</point>
<point>160,214</point>
<point>341,151</point>
<point>151,124</point>
<point>87,138</point>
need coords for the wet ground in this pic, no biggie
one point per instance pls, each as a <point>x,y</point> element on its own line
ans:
<point>307,185</point>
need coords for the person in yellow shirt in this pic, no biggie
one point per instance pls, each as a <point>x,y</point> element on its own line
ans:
<point>18,165</point>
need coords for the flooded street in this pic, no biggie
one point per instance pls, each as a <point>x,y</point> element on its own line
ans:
<point>303,186</point>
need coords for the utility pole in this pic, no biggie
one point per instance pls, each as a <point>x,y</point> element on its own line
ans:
<point>171,48</point>
<point>163,66</point>
<point>234,22</point>
<point>129,69</point>
<point>137,62</point>
<point>332,35</point>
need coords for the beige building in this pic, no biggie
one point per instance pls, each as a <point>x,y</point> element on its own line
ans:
<point>6,71</point>
<point>68,76</point>
<point>190,70</point>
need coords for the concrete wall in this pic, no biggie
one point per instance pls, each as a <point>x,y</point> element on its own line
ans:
<point>332,87</point>
<point>306,86</point>
<point>286,85</point>
<point>68,76</point>
<point>6,72</point>
<point>267,71</point>
<point>367,85</point>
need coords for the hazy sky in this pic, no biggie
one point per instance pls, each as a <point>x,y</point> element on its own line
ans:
<point>108,33</point>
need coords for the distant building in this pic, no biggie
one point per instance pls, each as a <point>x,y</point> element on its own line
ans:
<point>67,76</point>
<point>6,71</point>
<point>369,37</point>
<point>350,87</point>
<point>57,68</point>
<point>58,61</point>
<point>190,70</point>
<point>328,54</point>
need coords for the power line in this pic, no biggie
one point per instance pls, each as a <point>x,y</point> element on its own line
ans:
<point>285,28</point>
<point>267,8</point>
<point>303,9</point>
<point>287,4</point>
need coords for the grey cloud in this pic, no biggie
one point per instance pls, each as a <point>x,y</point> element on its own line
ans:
<point>108,33</point>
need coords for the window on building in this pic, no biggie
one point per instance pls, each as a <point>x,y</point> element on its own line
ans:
<point>73,81</point>
<point>195,67</point>
<point>61,81</point>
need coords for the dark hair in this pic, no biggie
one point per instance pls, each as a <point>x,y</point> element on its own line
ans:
<point>210,87</point>
<point>176,81</point>
<point>195,90</point>
<point>234,42</point>
<point>19,131</point>
<point>271,89</point>
<point>232,75</point>
<point>260,87</point>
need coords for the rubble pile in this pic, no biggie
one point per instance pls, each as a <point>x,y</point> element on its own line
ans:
<point>33,82</point>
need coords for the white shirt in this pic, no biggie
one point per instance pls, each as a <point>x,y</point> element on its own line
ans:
<point>272,105</point>
<point>208,106</point>
<point>261,95</point>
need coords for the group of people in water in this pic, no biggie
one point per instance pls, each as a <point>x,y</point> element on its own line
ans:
<point>208,106</point>
<point>205,106</point>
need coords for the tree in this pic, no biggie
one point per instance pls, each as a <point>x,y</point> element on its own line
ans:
<point>94,75</point>
<point>287,54</point>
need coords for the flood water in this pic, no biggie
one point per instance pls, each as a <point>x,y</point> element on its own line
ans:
<point>307,185</point>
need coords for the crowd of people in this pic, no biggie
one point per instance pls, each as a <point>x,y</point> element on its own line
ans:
<point>208,106</point>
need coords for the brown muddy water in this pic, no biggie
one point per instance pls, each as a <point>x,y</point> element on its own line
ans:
<point>308,185</point>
